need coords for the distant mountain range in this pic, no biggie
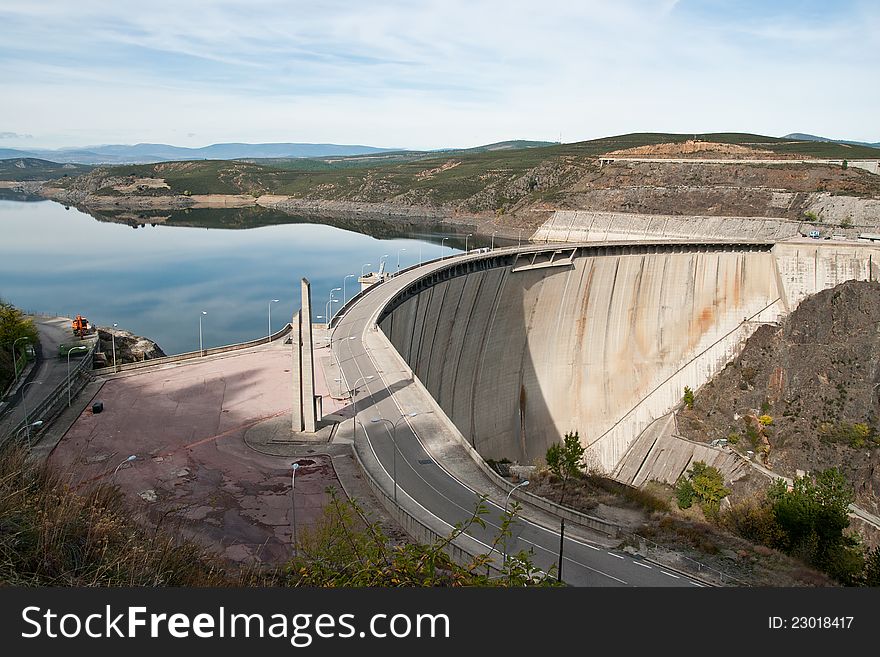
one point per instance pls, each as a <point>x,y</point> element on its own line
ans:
<point>150,153</point>
<point>801,136</point>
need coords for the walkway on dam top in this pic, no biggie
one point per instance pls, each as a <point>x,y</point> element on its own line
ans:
<point>437,480</point>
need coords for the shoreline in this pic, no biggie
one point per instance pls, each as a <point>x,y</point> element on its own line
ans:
<point>523,222</point>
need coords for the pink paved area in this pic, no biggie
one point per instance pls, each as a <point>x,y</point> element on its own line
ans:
<point>186,425</point>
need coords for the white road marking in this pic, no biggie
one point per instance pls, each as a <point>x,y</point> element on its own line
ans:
<point>670,574</point>
<point>615,555</point>
<point>643,565</point>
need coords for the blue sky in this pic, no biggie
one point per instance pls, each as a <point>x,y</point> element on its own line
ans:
<point>434,73</point>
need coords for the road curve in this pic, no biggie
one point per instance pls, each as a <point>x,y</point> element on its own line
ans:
<point>427,484</point>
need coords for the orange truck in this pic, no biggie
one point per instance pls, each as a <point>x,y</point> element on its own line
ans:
<point>80,326</point>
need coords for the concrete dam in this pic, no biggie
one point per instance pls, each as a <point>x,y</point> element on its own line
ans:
<point>520,347</point>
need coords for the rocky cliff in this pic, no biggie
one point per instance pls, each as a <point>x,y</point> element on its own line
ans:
<point>803,396</point>
<point>129,347</point>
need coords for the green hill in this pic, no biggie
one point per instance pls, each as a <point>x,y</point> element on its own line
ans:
<point>28,168</point>
<point>488,178</point>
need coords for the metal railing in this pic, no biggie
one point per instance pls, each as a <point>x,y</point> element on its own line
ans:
<point>191,355</point>
<point>56,401</point>
<point>686,564</point>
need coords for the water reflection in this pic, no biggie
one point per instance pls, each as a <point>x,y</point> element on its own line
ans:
<point>155,279</point>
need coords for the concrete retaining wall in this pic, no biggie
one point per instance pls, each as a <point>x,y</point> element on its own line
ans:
<point>603,346</point>
<point>594,226</point>
<point>660,455</point>
<point>805,269</point>
<point>190,355</point>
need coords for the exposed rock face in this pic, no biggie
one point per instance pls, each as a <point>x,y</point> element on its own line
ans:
<point>707,149</point>
<point>129,347</point>
<point>814,382</point>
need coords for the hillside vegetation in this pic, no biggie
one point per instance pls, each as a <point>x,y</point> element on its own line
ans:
<point>26,168</point>
<point>492,180</point>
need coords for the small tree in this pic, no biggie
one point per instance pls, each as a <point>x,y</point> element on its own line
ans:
<point>814,515</point>
<point>688,397</point>
<point>704,484</point>
<point>565,459</point>
<point>684,493</point>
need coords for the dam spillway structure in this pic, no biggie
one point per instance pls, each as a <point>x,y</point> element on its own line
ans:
<point>520,347</point>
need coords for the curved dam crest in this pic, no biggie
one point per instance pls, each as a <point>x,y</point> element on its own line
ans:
<point>602,339</point>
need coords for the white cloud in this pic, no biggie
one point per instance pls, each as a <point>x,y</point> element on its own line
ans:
<point>425,74</point>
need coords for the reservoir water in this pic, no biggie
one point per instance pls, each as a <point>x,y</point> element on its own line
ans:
<point>155,279</point>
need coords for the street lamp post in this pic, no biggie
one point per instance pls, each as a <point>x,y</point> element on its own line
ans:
<point>344,294</point>
<point>354,403</point>
<point>128,460</point>
<point>113,340</point>
<point>14,359</point>
<point>70,351</point>
<point>363,268</point>
<point>525,482</point>
<point>327,315</point>
<point>293,468</point>
<point>441,247</point>
<point>398,258</point>
<point>331,315</point>
<point>270,316</point>
<point>38,423</point>
<point>201,348</point>
<point>24,404</point>
<point>393,434</point>
<point>466,240</point>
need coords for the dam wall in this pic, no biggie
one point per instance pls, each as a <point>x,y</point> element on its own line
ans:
<point>519,356</point>
<point>809,267</point>
<point>601,339</point>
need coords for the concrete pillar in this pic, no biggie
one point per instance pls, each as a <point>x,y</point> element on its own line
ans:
<point>303,415</point>
<point>308,360</point>
<point>296,344</point>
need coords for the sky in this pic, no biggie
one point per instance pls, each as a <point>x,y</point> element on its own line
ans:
<point>432,73</point>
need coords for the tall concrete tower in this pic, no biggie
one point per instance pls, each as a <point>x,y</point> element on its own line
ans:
<point>304,416</point>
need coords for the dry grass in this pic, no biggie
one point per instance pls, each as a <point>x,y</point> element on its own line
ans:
<point>51,535</point>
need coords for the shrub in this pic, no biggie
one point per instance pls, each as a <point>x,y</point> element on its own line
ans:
<point>708,485</point>
<point>765,420</point>
<point>684,493</point>
<point>753,435</point>
<point>754,521</point>
<point>688,397</point>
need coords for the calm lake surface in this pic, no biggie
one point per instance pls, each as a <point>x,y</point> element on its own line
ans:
<point>155,279</point>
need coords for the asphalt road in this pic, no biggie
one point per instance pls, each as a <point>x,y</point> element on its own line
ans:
<point>426,487</point>
<point>51,371</point>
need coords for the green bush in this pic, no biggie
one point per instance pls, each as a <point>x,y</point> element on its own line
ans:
<point>688,397</point>
<point>684,493</point>
<point>17,330</point>
<point>814,515</point>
